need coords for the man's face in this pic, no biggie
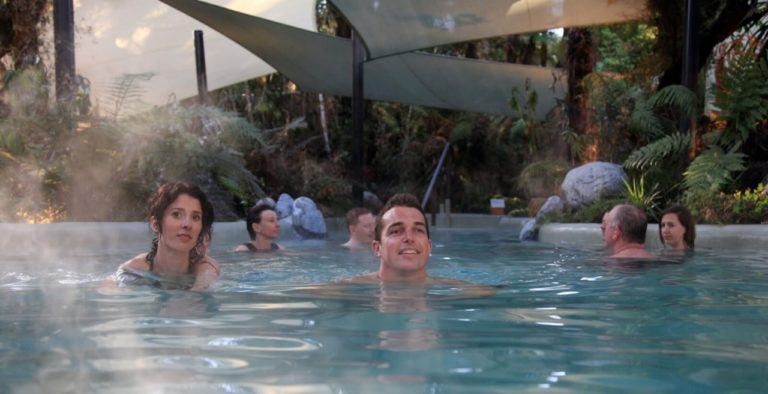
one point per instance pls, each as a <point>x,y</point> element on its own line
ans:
<point>609,230</point>
<point>404,247</point>
<point>363,231</point>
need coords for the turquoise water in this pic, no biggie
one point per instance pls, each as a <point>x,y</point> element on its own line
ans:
<point>560,321</point>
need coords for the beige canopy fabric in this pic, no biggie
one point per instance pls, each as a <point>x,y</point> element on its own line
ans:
<point>396,26</point>
<point>116,37</point>
<point>321,63</point>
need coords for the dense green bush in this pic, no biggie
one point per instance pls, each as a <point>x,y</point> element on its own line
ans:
<point>741,207</point>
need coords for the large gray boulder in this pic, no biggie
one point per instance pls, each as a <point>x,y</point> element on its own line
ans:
<point>284,206</point>
<point>530,229</point>
<point>308,222</point>
<point>586,183</point>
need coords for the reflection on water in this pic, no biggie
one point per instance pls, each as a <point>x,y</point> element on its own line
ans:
<point>559,320</point>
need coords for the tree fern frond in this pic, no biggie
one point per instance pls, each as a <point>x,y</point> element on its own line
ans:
<point>712,169</point>
<point>743,100</point>
<point>645,122</point>
<point>651,154</point>
<point>128,87</point>
<point>677,97</point>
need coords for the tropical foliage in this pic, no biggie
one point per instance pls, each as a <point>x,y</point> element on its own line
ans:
<point>265,137</point>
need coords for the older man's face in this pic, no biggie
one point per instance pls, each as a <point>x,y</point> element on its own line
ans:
<point>363,231</point>
<point>608,229</point>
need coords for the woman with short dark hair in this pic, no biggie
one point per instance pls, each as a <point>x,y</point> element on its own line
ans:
<point>677,230</point>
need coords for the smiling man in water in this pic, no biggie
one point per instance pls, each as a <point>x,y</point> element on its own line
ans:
<point>402,243</point>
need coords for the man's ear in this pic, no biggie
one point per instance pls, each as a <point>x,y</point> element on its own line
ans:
<point>376,246</point>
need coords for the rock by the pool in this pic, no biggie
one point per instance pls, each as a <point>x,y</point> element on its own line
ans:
<point>586,183</point>
<point>553,205</point>
<point>308,222</point>
<point>265,201</point>
<point>530,230</point>
<point>371,201</point>
<point>284,206</point>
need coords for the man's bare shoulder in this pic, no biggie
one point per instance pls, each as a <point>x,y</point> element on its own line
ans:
<point>369,278</point>
<point>444,281</point>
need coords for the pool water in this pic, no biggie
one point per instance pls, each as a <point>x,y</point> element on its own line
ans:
<point>561,320</point>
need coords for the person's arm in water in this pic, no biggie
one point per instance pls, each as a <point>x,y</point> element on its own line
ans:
<point>206,271</point>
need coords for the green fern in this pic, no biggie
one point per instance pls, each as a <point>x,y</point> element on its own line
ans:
<point>743,100</point>
<point>712,169</point>
<point>125,89</point>
<point>677,97</point>
<point>578,142</point>
<point>650,155</point>
<point>646,120</point>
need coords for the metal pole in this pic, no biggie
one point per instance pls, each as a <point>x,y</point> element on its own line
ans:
<point>202,78</point>
<point>358,115</point>
<point>64,49</point>
<point>434,175</point>
<point>690,54</point>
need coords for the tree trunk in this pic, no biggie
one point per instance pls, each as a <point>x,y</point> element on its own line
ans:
<point>580,62</point>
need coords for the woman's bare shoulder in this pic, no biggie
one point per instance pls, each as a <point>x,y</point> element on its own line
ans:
<point>139,262</point>
<point>208,263</point>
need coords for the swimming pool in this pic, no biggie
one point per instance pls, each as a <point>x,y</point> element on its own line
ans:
<point>561,321</point>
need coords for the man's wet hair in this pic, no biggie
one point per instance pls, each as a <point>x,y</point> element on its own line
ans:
<point>632,222</point>
<point>399,200</point>
<point>354,214</point>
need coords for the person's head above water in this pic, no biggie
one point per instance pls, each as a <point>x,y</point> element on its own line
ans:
<point>623,229</point>
<point>361,225</point>
<point>399,200</point>
<point>181,217</point>
<point>263,229</point>
<point>171,193</point>
<point>258,215</point>
<point>402,240</point>
<point>677,229</point>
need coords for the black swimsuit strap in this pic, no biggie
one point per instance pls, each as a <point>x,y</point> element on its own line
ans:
<point>252,248</point>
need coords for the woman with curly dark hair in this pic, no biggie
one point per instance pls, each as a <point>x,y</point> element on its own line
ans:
<point>181,217</point>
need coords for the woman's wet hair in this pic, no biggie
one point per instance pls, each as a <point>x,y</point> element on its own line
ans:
<point>686,220</point>
<point>399,200</point>
<point>254,217</point>
<point>163,197</point>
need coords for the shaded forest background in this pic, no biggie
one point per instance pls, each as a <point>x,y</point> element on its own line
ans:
<point>69,161</point>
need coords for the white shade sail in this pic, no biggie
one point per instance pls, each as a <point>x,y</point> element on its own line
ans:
<point>322,63</point>
<point>116,37</point>
<point>397,26</point>
<point>393,29</point>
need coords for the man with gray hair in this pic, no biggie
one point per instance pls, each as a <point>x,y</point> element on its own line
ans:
<point>624,229</point>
